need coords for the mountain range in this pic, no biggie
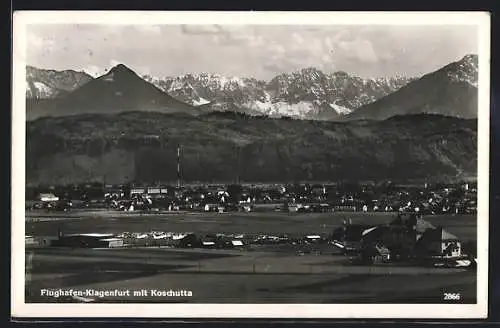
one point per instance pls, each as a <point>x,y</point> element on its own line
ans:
<point>119,90</point>
<point>305,126</point>
<point>44,83</point>
<point>308,93</point>
<point>305,94</point>
<point>450,91</point>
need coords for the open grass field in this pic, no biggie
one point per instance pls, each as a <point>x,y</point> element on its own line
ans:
<point>232,276</point>
<point>464,226</point>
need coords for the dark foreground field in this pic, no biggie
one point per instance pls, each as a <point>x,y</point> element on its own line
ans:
<point>229,276</point>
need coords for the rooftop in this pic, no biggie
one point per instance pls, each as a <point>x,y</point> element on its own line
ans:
<point>92,235</point>
<point>111,239</point>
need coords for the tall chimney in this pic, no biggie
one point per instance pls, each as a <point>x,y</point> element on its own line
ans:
<point>178,166</point>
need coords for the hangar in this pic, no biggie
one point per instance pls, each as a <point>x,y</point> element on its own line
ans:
<point>91,240</point>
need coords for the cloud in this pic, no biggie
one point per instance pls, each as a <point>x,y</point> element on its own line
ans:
<point>361,49</point>
<point>114,62</point>
<point>34,40</point>
<point>39,42</point>
<point>329,43</point>
<point>298,39</point>
<point>98,70</point>
<point>248,50</point>
<point>201,29</point>
<point>326,58</point>
<point>239,36</point>
<point>274,68</point>
<point>93,70</point>
<point>277,48</point>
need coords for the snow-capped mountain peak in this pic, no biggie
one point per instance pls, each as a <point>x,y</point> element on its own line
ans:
<point>306,93</point>
<point>341,110</point>
<point>464,70</point>
<point>45,83</point>
<point>303,93</point>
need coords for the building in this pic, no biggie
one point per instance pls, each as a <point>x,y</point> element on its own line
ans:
<point>89,240</point>
<point>208,244</point>
<point>112,190</point>
<point>297,207</point>
<point>312,238</point>
<point>48,197</point>
<point>246,208</point>
<point>344,208</point>
<point>397,239</point>
<point>421,227</point>
<point>211,207</point>
<point>153,191</point>
<point>137,191</point>
<point>189,240</point>
<point>321,208</point>
<point>41,240</point>
<point>30,240</point>
<point>382,255</point>
<point>439,243</point>
<point>406,237</point>
<point>150,191</point>
<point>237,243</point>
<point>112,242</point>
<point>44,240</point>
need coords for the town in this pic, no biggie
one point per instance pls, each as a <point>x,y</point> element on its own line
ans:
<point>428,199</point>
<point>394,230</point>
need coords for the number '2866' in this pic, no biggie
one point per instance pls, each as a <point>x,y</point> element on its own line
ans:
<point>451,296</point>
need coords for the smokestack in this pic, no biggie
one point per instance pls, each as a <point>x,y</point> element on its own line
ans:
<point>179,166</point>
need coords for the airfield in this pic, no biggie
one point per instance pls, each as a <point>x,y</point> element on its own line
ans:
<point>262,275</point>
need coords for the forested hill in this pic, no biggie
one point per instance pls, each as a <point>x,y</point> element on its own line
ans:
<point>228,146</point>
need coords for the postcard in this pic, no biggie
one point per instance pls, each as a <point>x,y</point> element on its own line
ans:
<point>250,164</point>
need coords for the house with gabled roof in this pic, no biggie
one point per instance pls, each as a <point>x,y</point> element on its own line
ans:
<point>439,243</point>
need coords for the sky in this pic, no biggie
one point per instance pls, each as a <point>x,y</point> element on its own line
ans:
<point>259,51</point>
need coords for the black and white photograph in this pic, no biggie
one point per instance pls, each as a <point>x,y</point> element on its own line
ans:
<point>250,164</point>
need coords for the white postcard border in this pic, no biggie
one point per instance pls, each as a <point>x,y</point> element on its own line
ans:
<point>418,311</point>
